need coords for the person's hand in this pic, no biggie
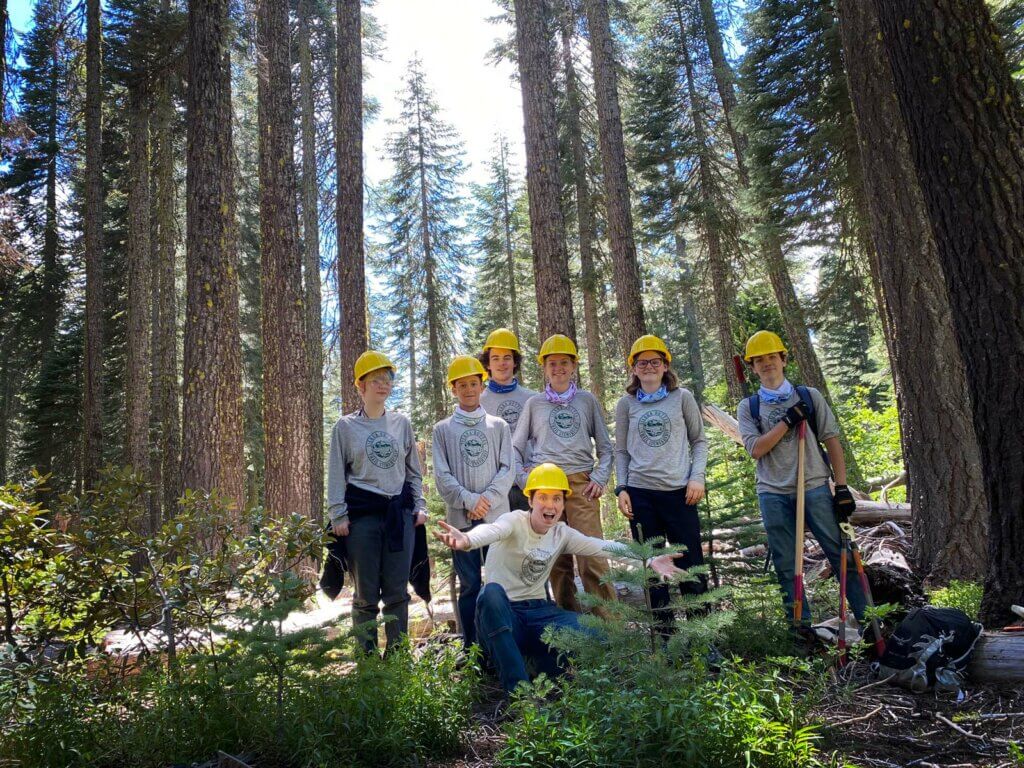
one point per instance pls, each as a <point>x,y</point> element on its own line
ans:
<point>665,566</point>
<point>340,527</point>
<point>843,503</point>
<point>795,414</point>
<point>625,505</point>
<point>593,490</point>
<point>421,518</point>
<point>694,491</point>
<point>451,536</point>
<point>479,512</point>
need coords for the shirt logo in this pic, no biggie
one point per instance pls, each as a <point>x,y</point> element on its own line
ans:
<point>381,449</point>
<point>510,410</point>
<point>773,416</point>
<point>564,421</point>
<point>655,428</point>
<point>473,446</point>
<point>535,565</point>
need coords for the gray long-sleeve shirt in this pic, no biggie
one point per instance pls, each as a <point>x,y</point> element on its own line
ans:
<point>377,455</point>
<point>565,435</point>
<point>659,446</point>
<point>776,470</point>
<point>508,406</point>
<point>470,462</point>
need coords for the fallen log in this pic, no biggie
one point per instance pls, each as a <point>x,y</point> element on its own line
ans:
<point>998,658</point>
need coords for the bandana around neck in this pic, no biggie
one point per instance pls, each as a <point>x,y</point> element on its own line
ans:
<point>775,396</point>
<point>652,397</point>
<point>560,399</point>
<point>502,389</point>
<point>469,418</point>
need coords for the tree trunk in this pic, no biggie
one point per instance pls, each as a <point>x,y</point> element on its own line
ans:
<point>311,265</point>
<point>965,126</point>
<point>411,319</point>
<point>92,407</point>
<point>547,226</point>
<point>584,209</point>
<point>286,393</point>
<point>626,271</point>
<point>348,137</point>
<point>3,64</point>
<point>718,264</point>
<point>166,343</point>
<point>138,358</point>
<point>212,436</point>
<point>510,255</point>
<point>690,313</point>
<point>52,278</point>
<point>946,485</point>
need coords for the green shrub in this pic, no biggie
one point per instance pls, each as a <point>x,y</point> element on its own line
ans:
<point>965,595</point>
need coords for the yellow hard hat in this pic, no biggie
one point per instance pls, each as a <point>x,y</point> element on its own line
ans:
<point>502,338</point>
<point>557,345</point>
<point>763,343</point>
<point>465,365</point>
<point>371,361</point>
<point>547,477</point>
<point>648,343</point>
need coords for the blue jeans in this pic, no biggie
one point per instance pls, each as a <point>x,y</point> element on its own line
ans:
<point>468,567</point>
<point>511,631</point>
<point>778,512</point>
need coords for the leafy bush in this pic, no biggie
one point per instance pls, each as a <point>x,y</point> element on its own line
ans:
<point>965,595</point>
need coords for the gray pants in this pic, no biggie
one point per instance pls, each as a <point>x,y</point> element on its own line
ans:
<point>379,576</point>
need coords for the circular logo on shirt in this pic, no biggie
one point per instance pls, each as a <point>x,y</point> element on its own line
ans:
<point>381,449</point>
<point>564,421</point>
<point>473,446</point>
<point>535,565</point>
<point>509,411</point>
<point>655,428</point>
<point>773,415</point>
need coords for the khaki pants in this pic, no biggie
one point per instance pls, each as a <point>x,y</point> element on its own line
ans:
<point>584,515</point>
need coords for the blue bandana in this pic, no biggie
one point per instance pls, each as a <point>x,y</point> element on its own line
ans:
<point>775,396</point>
<point>652,397</point>
<point>502,389</point>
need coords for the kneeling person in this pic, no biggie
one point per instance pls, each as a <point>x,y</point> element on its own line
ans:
<point>474,469</point>
<point>513,610</point>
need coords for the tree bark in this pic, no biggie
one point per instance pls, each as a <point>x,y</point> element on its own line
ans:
<point>965,126</point>
<point>506,220</point>
<point>92,407</point>
<point>286,393</point>
<point>946,484</point>
<point>138,358</point>
<point>212,440</point>
<point>718,266</point>
<point>165,345</point>
<point>348,136</point>
<point>690,313</point>
<point>584,209</point>
<point>311,265</point>
<point>725,83</point>
<point>625,270</point>
<point>547,225</point>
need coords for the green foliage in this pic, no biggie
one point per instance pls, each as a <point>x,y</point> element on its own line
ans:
<point>873,431</point>
<point>965,595</point>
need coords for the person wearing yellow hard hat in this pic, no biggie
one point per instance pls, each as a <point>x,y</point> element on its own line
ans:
<point>504,396</point>
<point>564,425</point>
<point>374,500</point>
<point>768,423</point>
<point>473,469</point>
<point>660,457</point>
<point>522,547</point>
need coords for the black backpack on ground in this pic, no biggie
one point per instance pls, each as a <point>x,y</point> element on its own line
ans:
<point>930,648</point>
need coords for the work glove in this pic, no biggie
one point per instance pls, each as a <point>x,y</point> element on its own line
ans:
<point>795,414</point>
<point>843,503</point>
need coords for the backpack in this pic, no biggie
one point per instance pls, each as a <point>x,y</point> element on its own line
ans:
<point>930,648</point>
<point>754,402</point>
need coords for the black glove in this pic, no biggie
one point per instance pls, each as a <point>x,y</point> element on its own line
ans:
<point>843,504</point>
<point>795,414</point>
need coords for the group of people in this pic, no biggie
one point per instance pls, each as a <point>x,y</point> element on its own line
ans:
<point>510,463</point>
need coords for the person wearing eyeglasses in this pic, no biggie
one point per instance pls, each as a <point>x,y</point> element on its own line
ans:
<point>374,500</point>
<point>660,457</point>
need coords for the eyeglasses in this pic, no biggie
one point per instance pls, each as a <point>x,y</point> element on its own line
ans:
<point>654,364</point>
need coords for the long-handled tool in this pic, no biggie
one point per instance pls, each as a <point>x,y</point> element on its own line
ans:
<point>801,498</point>
<point>850,540</point>
<point>842,602</point>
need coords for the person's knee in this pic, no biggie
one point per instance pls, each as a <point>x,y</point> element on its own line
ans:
<point>492,596</point>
